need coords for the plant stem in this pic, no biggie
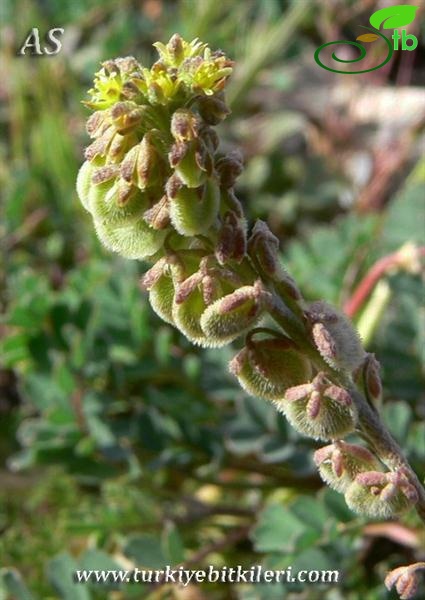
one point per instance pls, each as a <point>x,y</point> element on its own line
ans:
<point>370,426</point>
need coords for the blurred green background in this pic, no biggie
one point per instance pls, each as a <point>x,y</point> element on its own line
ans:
<point>120,443</point>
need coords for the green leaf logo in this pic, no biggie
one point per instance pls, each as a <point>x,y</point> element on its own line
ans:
<point>393,16</point>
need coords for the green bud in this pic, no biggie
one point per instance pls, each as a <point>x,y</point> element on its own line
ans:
<point>381,495</point>
<point>194,294</point>
<point>234,314</point>
<point>192,210</point>
<point>191,161</point>
<point>335,337</point>
<point>267,368</point>
<point>340,463</point>
<point>319,409</point>
<point>84,183</point>
<point>159,282</point>
<point>114,206</point>
<point>135,240</point>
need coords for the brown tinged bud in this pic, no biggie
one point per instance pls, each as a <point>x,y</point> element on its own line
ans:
<point>381,495</point>
<point>405,579</point>
<point>97,123</point>
<point>335,337</point>
<point>143,165</point>
<point>231,202</point>
<point>191,161</point>
<point>267,368</point>
<point>234,314</point>
<point>158,216</point>
<point>319,409</point>
<point>231,241</point>
<point>185,125</point>
<point>213,109</point>
<point>372,379</point>
<point>263,247</point>
<point>229,168</point>
<point>340,463</point>
<point>194,294</point>
<point>126,116</point>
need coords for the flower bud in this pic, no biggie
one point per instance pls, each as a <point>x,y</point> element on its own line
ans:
<point>372,379</point>
<point>143,165</point>
<point>231,241</point>
<point>135,240</point>
<point>266,368</point>
<point>340,463</point>
<point>229,168</point>
<point>109,202</point>
<point>191,161</point>
<point>213,109</point>
<point>335,337</point>
<point>234,314</point>
<point>263,247</point>
<point>185,125</point>
<point>126,116</point>
<point>97,123</point>
<point>405,579</point>
<point>158,216</point>
<point>84,183</point>
<point>159,282</point>
<point>192,210</point>
<point>319,409</point>
<point>381,495</point>
<point>202,284</point>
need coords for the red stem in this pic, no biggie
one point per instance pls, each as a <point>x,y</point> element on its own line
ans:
<point>365,287</point>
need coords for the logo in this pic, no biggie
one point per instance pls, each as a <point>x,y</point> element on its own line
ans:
<point>391,17</point>
<point>32,42</point>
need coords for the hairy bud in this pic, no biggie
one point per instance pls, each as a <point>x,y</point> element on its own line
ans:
<point>135,240</point>
<point>231,242</point>
<point>84,182</point>
<point>267,368</point>
<point>405,579</point>
<point>234,314</point>
<point>158,281</point>
<point>381,495</point>
<point>335,337</point>
<point>213,109</point>
<point>340,463</point>
<point>319,409</point>
<point>110,204</point>
<point>372,379</point>
<point>229,168</point>
<point>192,210</point>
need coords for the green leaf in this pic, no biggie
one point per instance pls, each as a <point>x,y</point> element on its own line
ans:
<point>146,551</point>
<point>393,16</point>
<point>12,584</point>
<point>60,572</point>
<point>278,530</point>
<point>172,544</point>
